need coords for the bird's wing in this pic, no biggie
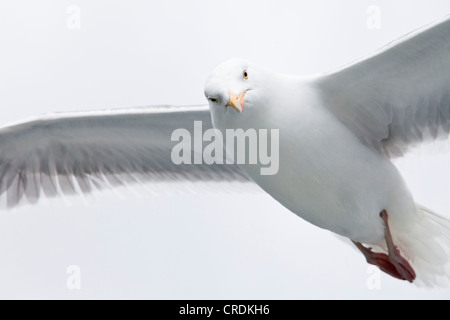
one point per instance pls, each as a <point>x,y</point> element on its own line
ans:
<point>398,97</point>
<point>78,152</point>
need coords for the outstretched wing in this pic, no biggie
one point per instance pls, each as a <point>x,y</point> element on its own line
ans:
<point>398,97</point>
<point>78,152</point>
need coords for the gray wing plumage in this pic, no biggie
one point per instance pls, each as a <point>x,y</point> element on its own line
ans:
<point>79,152</point>
<point>398,97</point>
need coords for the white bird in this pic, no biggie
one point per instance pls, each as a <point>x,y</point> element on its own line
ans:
<point>338,133</point>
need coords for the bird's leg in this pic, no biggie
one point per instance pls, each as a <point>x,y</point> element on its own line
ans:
<point>393,264</point>
<point>401,264</point>
<point>380,260</point>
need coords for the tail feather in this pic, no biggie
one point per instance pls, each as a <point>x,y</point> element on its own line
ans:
<point>427,245</point>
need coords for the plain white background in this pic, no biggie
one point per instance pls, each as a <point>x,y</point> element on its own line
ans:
<point>201,246</point>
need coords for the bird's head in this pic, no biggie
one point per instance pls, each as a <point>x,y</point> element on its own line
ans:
<point>235,91</point>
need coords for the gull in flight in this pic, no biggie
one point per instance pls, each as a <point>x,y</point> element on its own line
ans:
<point>337,135</point>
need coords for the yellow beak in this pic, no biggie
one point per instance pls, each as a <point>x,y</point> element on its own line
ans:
<point>236,101</point>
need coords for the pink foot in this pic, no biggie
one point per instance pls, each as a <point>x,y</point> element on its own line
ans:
<point>393,264</point>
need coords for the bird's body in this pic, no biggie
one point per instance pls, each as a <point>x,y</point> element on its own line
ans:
<point>329,177</point>
<point>337,135</point>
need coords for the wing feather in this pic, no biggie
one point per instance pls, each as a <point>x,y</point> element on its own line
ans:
<point>81,152</point>
<point>399,97</point>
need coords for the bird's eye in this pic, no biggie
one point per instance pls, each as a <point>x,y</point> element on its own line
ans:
<point>245,74</point>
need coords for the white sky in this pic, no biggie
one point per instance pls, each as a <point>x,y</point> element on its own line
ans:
<point>133,53</point>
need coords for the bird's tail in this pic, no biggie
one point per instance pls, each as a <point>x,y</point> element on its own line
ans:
<point>428,248</point>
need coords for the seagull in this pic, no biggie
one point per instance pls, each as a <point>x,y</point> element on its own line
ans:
<point>337,134</point>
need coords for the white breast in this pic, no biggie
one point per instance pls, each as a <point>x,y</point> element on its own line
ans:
<point>327,177</point>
